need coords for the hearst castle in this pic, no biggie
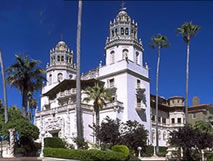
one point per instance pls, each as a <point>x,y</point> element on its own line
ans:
<point>123,71</point>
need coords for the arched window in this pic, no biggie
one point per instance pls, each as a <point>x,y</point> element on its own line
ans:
<point>122,31</point>
<point>70,60</point>
<point>138,58</point>
<point>125,54</point>
<point>112,56</point>
<point>58,58</point>
<point>112,33</point>
<point>62,58</point>
<point>60,77</point>
<point>126,31</point>
<point>50,79</point>
<point>116,32</point>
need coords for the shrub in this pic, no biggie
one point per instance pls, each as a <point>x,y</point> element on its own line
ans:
<point>81,143</point>
<point>54,142</point>
<point>84,155</point>
<point>121,148</point>
<point>209,156</point>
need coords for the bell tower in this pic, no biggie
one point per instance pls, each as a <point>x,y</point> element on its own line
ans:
<point>61,65</point>
<point>125,72</point>
<point>123,43</point>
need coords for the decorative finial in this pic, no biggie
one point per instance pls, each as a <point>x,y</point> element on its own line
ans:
<point>123,6</point>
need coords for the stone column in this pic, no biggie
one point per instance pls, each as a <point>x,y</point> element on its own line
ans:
<point>42,143</point>
<point>12,143</point>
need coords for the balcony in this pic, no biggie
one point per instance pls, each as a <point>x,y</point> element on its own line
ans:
<point>140,107</point>
<point>116,105</point>
<point>66,94</point>
<point>140,92</point>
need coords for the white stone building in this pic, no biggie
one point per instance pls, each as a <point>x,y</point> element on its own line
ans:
<point>124,72</point>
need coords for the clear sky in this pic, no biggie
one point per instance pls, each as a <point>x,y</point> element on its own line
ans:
<point>34,27</point>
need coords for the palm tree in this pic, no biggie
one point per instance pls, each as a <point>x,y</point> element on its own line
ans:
<point>187,30</point>
<point>78,76</point>
<point>32,104</point>
<point>4,88</point>
<point>159,42</point>
<point>99,95</point>
<point>26,77</point>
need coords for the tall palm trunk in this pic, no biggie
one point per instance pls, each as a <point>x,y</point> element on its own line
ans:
<point>187,83</point>
<point>157,74</point>
<point>97,115</point>
<point>78,77</point>
<point>24,103</point>
<point>4,88</point>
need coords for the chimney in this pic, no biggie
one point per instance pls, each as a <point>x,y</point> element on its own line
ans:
<point>195,101</point>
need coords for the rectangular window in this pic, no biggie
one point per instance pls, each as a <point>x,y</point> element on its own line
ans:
<point>164,120</point>
<point>153,118</point>
<point>138,83</point>
<point>194,116</point>
<point>159,120</point>
<point>111,83</point>
<point>179,120</point>
<point>173,120</point>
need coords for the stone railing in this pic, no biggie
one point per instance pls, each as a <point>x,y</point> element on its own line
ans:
<point>66,93</point>
<point>60,109</point>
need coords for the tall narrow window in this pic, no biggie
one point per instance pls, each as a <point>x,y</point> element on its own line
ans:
<point>112,55</point>
<point>138,83</point>
<point>125,54</point>
<point>122,31</point>
<point>173,120</point>
<point>58,58</point>
<point>60,77</point>
<point>126,31</point>
<point>138,58</point>
<point>116,32</point>
<point>111,83</point>
<point>179,120</point>
<point>50,79</point>
<point>112,33</point>
<point>62,58</point>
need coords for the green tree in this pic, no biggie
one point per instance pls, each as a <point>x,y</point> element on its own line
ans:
<point>109,131</point>
<point>4,88</point>
<point>26,77</point>
<point>158,42</point>
<point>192,141</point>
<point>133,135</point>
<point>99,95</point>
<point>187,30</point>
<point>78,75</point>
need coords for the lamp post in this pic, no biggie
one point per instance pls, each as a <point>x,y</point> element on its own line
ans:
<point>42,143</point>
<point>139,151</point>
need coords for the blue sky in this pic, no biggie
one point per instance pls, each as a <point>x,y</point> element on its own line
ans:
<point>34,27</point>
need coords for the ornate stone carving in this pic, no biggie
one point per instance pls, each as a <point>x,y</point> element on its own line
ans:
<point>12,143</point>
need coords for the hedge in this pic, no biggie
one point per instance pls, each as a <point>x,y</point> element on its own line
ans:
<point>84,155</point>
<point>209,156</point>
<point>54,142</point>
<point>121,148</point>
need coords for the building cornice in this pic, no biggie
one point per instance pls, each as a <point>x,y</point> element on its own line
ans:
<point>125,71</point>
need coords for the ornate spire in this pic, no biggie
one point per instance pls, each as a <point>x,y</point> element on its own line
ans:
<point>123,6</point>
